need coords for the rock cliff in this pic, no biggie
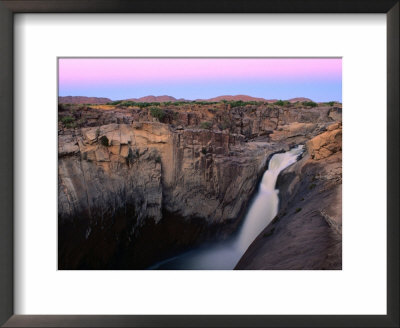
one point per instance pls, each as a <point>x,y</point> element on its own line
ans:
<point>190,174</point>
<point>150,163</point>
<point>133,190</point>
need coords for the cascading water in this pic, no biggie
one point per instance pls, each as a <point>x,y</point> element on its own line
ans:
<point>266,204</point>
<point>264,207</point>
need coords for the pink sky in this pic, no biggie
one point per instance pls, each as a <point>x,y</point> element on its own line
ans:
<point>149,70</point>
<point>117,78</point>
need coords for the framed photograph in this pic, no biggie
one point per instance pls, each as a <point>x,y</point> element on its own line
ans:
<point>206,165</point>
<point>133,170</point>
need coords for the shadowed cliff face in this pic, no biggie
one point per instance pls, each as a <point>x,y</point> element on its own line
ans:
<point>307,232</point>
<point>132,192</point>
<point>150,163</point>
<point>188,174</point>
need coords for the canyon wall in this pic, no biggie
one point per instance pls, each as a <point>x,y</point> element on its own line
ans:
<point>149,163</point>
<point>147,172</point>
<point>133,190</point>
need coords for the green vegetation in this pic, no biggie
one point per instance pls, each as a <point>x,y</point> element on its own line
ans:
<point>309,104</point>
<point>298,210</point>
<point>282,103</point>
<point>157,112</point>
<point>253,102</point>
<point>178,103</point>
<point>206,125</point>
<point>331,103</point>
<point>204,150</point>
<point>146,104</point>
<point>204,102</point>
<point>104,141</point>
<point>114,102</point>
<point>279,103</point>
<point>238,103</point>
<point>241,103</point>
<point>158,159</point>
<point>68,121</point>
<point>129,103</point>
<point>312,186</point>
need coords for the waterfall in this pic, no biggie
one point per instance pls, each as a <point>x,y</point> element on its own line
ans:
<point>266,203</point>
<point>264,207</point>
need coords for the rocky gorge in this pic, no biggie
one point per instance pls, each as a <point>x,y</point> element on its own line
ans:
<point>138,184</point>
<point>307,232</point>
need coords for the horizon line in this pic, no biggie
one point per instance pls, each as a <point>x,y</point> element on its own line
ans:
<point>200,99</point>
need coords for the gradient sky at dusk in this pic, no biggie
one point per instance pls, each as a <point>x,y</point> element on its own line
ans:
<point>120,78</point>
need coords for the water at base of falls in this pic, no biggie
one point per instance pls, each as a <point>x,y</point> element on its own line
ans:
<point>263,208</point>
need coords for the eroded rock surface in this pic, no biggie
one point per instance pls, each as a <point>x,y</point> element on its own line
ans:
<point>133,190</point>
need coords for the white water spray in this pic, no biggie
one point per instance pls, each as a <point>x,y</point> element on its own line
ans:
<point>266,204</point>
<point>225,255</point>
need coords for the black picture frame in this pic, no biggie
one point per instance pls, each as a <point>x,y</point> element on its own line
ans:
<point>10,7</point>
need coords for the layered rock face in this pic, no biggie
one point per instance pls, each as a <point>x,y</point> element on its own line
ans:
<point>150,172</point>
<point>149,162</point>
<point>133,191</point>
<point>307,232</point>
